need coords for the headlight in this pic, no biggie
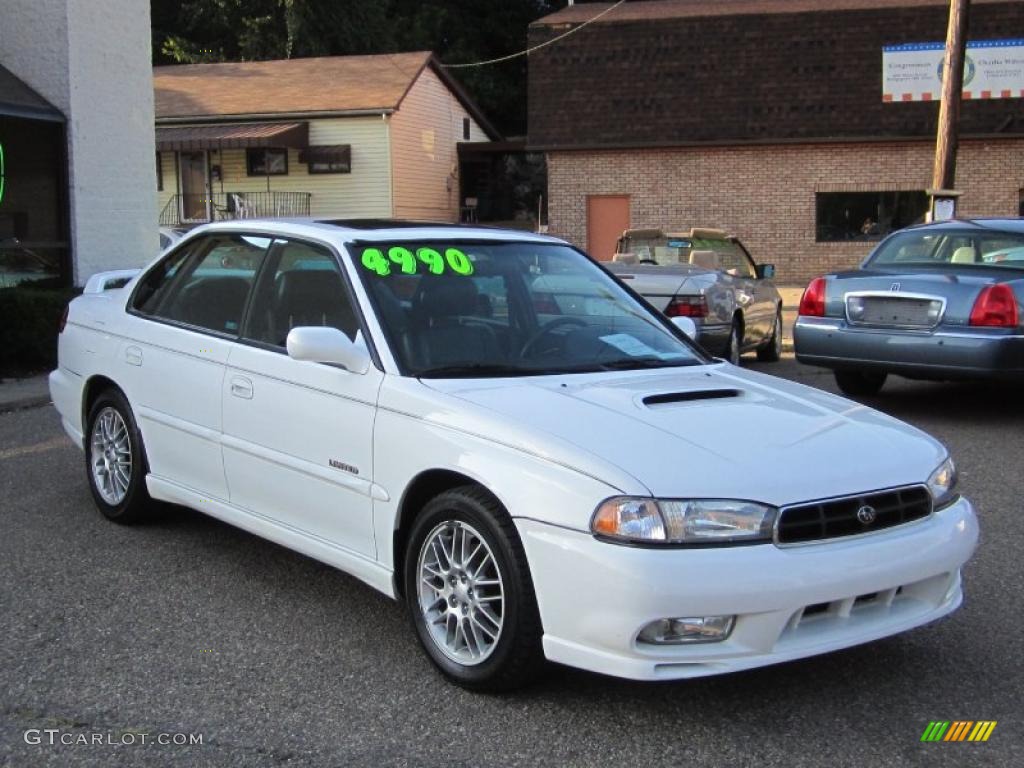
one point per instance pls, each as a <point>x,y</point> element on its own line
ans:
<point>683,521</point>
<point>942,484</point>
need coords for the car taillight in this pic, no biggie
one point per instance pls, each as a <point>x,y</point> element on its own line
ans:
<point>687,306</point>
<point>995,307</point>
<point>63,319</point>
<point>812,303</point>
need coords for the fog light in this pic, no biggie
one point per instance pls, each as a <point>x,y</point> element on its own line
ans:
<point>698,629</point>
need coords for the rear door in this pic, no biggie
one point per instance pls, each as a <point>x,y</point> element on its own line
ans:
<point>183,320</point>
<point>298,435</point>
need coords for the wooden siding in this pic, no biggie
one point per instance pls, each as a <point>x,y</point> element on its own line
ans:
<point>424,133</point>
<point>363,193</point>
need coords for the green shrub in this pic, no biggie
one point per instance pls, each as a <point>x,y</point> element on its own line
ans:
<point>29,315</point>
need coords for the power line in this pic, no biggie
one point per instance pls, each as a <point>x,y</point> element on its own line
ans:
<point>528,51</point>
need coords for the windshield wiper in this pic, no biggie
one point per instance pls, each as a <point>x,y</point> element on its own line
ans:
<point>469,370</point>
<point>628,363</point>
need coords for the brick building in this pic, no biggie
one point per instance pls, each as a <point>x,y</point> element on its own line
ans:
<point>764,117</point>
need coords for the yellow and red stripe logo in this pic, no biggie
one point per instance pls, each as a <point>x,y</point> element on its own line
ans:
<point>958,730</point>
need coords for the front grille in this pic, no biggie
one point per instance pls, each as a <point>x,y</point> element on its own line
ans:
<point>892,311</point>
<point>834,518</point>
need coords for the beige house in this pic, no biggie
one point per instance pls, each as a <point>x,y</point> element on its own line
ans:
<point>344,136</point>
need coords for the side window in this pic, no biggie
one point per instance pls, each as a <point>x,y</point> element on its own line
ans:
<point>156,285</point>
<point>733,260</point>
<point>211,289</point>
<point>301,286</point>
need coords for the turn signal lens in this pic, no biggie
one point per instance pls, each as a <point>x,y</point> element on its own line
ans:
<point>812,303</point>
<point>995,307</point>
<point>942,484</point>
<point>632,519</point>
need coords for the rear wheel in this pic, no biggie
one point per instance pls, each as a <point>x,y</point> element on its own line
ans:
<point>771,351</point>
<point>859,383</point>
<point>115,459</point>
<point>733,349</point>
<point>469,592</point>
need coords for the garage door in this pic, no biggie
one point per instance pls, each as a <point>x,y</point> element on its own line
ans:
<point>607,216</point>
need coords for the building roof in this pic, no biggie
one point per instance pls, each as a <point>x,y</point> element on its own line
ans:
<point>18,100</point>
<point>320,86</point>
<point>688,72</point>
<point>648,10</point>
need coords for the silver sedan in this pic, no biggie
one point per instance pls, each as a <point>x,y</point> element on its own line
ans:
<point>708,276</point>
<point>937,301</point>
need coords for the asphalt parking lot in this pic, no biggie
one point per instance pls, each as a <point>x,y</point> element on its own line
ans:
<point>186,625</point>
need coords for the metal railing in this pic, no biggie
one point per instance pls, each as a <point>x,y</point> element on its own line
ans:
<point>222,206</point>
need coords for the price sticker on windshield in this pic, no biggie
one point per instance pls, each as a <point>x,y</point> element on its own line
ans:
<point>402,260</point>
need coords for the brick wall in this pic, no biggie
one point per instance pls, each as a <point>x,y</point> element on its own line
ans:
<point>765,194</point>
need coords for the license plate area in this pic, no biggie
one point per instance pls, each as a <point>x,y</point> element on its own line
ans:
<point>889,311</point>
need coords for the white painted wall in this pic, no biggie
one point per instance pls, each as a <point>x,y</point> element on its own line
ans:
<point>91,59</point>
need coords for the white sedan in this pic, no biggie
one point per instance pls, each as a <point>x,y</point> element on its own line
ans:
<point>488,426</point>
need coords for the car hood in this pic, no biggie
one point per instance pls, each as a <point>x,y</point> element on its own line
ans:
<point>709,431</point>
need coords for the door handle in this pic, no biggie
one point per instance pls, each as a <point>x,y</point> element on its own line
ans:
<point>133,355</point>
<point>241,387</point>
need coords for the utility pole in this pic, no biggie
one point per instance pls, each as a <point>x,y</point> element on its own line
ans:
<point>944,174</point>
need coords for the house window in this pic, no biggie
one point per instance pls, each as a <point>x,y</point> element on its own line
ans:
<point>336,158</point>
<point>159,174</point>
<point>842,216</point>
<point>465,128</point>
<point>266,162</point>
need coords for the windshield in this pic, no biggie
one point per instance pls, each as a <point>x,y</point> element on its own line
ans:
<point>951,249</point>
<point>457,308</point>
<point>665,250</point>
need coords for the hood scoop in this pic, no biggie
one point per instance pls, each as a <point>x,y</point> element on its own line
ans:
<point>668,398</point>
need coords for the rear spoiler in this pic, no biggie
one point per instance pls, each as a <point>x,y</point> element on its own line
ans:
<point>109,281</point>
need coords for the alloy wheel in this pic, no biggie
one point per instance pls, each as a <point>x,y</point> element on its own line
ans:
<point>461,594</point>
<point>111,456</point>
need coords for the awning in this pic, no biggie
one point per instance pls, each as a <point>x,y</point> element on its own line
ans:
<point>232,136</point>
<point>336,154</point>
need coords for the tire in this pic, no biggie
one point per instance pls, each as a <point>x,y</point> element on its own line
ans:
<point>771,352</point>
<point>733,347</point>
<point>860,384</point>
<point>112,439</point>
<point>440,608</point>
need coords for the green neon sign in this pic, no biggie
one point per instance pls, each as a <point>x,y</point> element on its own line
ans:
<point>409,263</point>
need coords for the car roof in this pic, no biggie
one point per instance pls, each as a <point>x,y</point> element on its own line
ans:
<point>374,230</point>
<point>993,223</point>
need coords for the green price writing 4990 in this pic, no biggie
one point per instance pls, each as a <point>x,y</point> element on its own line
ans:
<point>402,260</point>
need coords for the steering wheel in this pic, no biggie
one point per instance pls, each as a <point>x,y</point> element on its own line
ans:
<point>647,261</point>
<point>546,329</point>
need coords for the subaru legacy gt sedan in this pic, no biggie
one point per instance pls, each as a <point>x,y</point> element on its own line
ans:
<point>489,427</point>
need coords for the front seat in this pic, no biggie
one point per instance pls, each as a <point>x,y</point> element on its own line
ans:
<point>310,297</point>
<point>443,336</point>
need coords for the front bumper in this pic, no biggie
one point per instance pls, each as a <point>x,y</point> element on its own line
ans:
<point>594,597</point>
<point>945,353</point>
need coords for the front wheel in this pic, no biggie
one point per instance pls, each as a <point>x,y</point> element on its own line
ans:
<point>860,384</point>
<point>771,351</point>
<point>469,592</point>
<point>733,349</point>
<point>115,460</point>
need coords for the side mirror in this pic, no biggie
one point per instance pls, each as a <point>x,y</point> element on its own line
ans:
<point>765,271</point>
<point>687,326</point>
<point>318,344</point>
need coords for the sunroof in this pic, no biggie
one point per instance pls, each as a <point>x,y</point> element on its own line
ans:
<point>384,223</point>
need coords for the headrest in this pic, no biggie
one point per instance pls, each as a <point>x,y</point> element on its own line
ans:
<point>963,255</point>
<point>626,258</point>
<point>446,296</point>
<point>705,259</point>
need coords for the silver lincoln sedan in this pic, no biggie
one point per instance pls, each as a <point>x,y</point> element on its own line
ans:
<point>936,301</point>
